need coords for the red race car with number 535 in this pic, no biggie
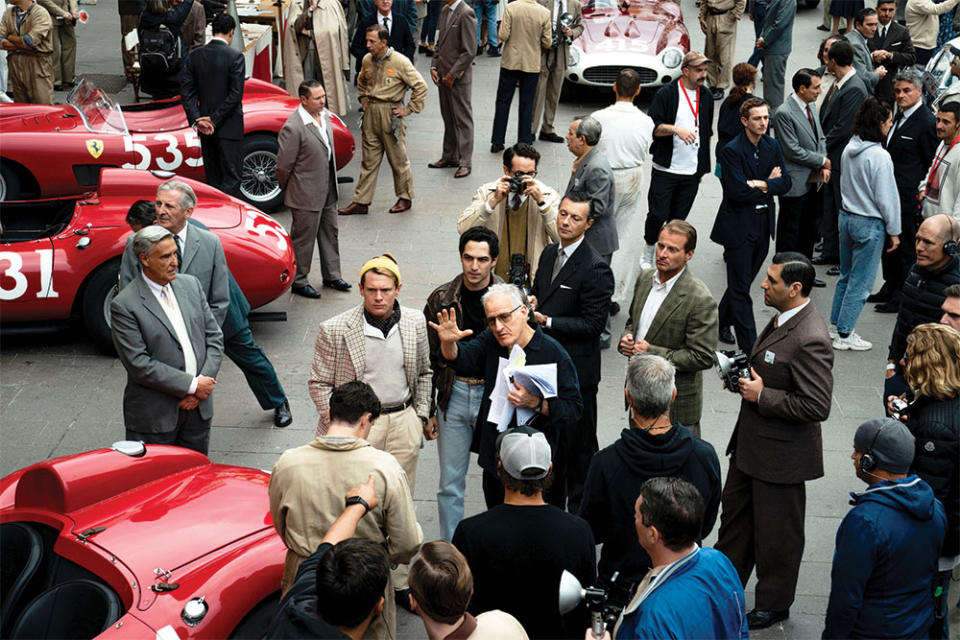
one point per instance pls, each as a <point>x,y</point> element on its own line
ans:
<point>60,150</point>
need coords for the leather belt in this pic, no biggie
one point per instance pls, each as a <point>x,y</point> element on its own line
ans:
<point>473,382</point>
<point>395,408</point>
<point>717,12</point>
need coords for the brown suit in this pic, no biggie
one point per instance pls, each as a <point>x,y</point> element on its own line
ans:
<point>306,170</point>
<point>553,65</point>
<point>456,49</point>
<point>775,447</point>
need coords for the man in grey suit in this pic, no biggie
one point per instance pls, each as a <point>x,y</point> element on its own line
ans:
<point>776,42</point>
<point>199,252</point>
<point>864,29</point>
<point>452,73</point>
<point>797,128</point>
<point>171,346</point>
<point>307,172</point>
<point>553,65</point>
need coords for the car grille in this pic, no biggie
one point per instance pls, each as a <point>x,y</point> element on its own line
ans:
<point>607,74</point>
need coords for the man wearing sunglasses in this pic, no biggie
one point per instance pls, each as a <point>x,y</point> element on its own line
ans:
<point>507,325</point>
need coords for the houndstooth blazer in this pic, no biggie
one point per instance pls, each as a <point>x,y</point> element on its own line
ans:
<point>339,355</point>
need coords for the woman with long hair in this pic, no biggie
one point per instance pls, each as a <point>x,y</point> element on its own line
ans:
<point>728,122</point>
<point>870,214</point>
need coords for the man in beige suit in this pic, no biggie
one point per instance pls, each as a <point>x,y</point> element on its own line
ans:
<point>451,72</point>
<point>307,172</point>
<point>65,14</point>
<point>553,65</point>
<point>525,32</point>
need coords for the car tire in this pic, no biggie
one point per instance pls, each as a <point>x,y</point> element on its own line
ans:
<point>257,621</point>
<point>100,290</point>
<point>258,173</point>
<point>9,183</point>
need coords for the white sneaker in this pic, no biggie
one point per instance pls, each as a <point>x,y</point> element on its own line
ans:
<point>646,259</point>
<point>853,342</point>
<point>833,332</point>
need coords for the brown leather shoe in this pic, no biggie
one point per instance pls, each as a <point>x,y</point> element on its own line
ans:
<point>462,172</point>
<point>354,209</point>
<point>441,164</point>
<point>402,205</point>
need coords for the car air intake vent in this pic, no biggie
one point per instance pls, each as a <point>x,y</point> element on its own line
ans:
<point>608,74</point>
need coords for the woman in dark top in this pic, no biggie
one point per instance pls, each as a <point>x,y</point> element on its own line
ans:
<point>163,85</point>
<point>728,122</point>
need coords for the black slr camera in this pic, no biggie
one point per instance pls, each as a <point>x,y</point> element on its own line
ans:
<point>516,184</point>
<point>604,601</point>
<point>731,366</point>
<point>518,270</point>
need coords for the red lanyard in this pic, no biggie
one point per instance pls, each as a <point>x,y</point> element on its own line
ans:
<point>693,110</point>
<point>939,159</point>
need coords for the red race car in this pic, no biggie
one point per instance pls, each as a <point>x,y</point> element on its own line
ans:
<point>60,150</point>
<point>138,542</point>
<point>60,258</point>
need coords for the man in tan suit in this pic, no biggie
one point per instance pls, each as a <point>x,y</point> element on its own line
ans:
<point>718,21</point>
<point>525,32</point>
<point>25,34</point>
<point>307,172</point>
<point>65,14</point>
<point>315,45</point>
<point>451,72</point>
<point>553,64</point>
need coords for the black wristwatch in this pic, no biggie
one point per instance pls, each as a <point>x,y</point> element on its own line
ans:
<point>539,408</point>
<point>358,500</point>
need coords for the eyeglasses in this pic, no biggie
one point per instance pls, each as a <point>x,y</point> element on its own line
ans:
<point>521,174</point>
<point>503,318</point>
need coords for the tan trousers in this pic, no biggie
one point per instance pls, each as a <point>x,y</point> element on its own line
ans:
<point>552,67</point>
<point>378,137</point>
<point>720,41</point>
<point>30,78</point>
<point>64,53</point>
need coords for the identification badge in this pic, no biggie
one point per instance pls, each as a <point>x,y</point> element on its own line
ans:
<point>769,357</point>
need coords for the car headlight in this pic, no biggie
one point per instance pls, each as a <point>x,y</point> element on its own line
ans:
<point>573,58</point>
<point>671,58</point>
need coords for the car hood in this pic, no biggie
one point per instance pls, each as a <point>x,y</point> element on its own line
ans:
<point>640,27</point>
<point>25,118</point>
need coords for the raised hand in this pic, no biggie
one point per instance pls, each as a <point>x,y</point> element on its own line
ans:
<point>446,327</point>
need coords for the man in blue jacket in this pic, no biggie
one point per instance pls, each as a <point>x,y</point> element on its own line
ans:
<point>888,544</point>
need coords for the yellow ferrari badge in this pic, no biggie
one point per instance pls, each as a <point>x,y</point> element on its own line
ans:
<point>95,147</point>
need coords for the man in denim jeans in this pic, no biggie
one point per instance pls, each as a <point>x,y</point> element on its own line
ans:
<point>486,11</point>
<point>456,396</point>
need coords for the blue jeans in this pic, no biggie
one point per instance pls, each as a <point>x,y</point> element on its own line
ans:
<point>486,10</point>
<point>431,21</point>
<point>861,244</point>
<point>453,445</point>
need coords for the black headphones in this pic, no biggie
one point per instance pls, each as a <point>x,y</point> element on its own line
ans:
<point>868,463</point>
<point>950,247</point>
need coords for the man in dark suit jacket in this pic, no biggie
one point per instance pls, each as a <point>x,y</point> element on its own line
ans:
<point>776,445</point>
<point>212,86</point>
<point>912,144</point>
<point>891,47</point>
<point>572,301</point>
<point>400,37</point>
<point>839,107</point>
<point>752,171</point>
<point>171,346</point>
<point>452,73</point>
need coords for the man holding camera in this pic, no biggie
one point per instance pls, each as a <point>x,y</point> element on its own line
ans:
<point>521,210</point>
<point>565,16</point>
<point>776,445</point>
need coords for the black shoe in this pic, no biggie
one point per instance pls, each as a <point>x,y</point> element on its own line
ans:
<point>717,94</point>
<point>496,148</point>
<point>760,619</point>
<point>833,271</point>
<point>493,52</point>
<point>422,48</point>
<point>817,282</point>
<point>480,50</point>
<point>726,336</point>
<point>884,295</point>
<point>822,259</point>
<point>339,284</point>
<point>282,416</point>
<point>891,306</point>
<point>402,597</point>
<point>550,137</point>
<point>306,291</point>
<point>614,308</point>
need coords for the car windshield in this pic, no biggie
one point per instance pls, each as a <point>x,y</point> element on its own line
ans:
<point>99,112</point>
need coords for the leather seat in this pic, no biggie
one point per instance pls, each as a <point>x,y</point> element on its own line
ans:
<point>76,609</point>
<point>21,550</point>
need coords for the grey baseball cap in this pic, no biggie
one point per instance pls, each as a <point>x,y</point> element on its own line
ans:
<point>889,442</point>
<point>524,453</point>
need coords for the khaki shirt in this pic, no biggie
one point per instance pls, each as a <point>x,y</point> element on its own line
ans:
<point>387,80</point>
<point>37,25</point>
<point>59,7</point>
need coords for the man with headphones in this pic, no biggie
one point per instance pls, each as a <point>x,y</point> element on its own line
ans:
<point>888,544</point>
<point>937,267</point>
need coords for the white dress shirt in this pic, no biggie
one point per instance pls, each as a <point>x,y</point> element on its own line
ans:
<point>658,293</point>
<point>786,315</point>
<point>566,251</point>
<point>898,123</point>
<point>320,126</point>
<point>168,302</point>
<point>627,135</point>
<point>388,18</point>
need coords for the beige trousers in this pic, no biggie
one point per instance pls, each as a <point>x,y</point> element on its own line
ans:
<point>381,134</point>
<point>552,67</point>
<point>720,41</point>
<point>30,78</point>
<point>64,53</point>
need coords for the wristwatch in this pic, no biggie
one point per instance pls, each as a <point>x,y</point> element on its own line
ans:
<point>352,500</point>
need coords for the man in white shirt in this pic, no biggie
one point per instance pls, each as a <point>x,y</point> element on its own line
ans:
<point>627,134</point>
<point>171,346</point>
<point>674,316</point>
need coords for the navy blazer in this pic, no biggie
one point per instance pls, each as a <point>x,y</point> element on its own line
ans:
<point>737,216</point>
<point>912,148</point>
<point>212,85</point>
<point>400,37</point>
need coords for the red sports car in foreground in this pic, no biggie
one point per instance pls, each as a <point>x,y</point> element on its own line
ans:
<point>138,542</point>
<point>61,257</point>
<point>60,150</point>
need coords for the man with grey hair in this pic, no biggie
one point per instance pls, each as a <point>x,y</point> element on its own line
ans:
<point>506,313</point>
<point>171,346</point>
<point>651,446</point>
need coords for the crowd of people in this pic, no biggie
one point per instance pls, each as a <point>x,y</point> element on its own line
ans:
<point>542,271</point>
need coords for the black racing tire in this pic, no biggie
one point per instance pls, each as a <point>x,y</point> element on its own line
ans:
<point>258,174</point>
<point>257,621</point>
<point>97,295</point>
<point>9,183</point>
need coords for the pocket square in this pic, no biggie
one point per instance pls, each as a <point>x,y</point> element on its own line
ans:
<point>563,286</point>
<point>906,138</point>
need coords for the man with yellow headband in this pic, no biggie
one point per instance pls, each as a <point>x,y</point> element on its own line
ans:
<point>385,345</point>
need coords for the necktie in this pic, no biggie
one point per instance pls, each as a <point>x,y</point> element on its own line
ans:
<point>165,296</point>
<point>883,34</point>
<point>833,90</point>
<point>386,23</point>
<point>810,118</point>
<point>559,12</point>
<point>558,264</point>
<point>177,239</point>
<point>776,322</point>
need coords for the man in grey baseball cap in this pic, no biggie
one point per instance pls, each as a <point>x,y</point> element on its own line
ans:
<point>888,544</point>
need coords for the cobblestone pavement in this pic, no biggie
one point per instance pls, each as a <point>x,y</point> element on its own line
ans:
<point>59,395</point>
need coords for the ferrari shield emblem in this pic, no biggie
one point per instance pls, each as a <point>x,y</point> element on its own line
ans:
<point>95,147</point>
